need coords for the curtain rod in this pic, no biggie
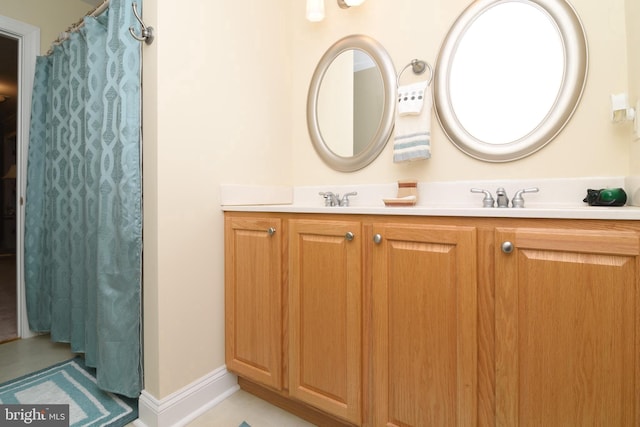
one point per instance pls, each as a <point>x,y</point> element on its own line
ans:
<point>97,11</point>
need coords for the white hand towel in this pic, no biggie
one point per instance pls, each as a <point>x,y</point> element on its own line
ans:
<point>412,132</point>
<point>411,98</point>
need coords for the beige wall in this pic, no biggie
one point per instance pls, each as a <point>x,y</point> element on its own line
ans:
<point>633,49</point>
<point>216,110</point>
<point>52,17</point>
<point>588,146</point>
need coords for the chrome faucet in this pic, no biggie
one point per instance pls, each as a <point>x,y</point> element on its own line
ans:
<point>332,199</point>
<point>501,196</point>
<point>503,200</point>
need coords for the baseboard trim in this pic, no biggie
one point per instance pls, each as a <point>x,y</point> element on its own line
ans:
<point>185,405</point>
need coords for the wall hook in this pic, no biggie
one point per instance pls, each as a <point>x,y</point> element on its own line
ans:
<point>146,32</point>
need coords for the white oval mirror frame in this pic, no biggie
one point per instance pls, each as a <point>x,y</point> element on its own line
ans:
<point>384,129</point>
<point>575,62</point>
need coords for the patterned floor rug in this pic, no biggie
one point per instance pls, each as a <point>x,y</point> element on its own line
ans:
<point>70,383</point>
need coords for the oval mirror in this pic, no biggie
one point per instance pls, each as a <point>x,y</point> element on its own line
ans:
<point>509,76</point>
<point>351,103</point>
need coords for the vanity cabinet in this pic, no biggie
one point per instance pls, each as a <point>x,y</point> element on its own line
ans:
<point>382,320</point>
<point>423,325</point>
<point>325,315</point>
<point>567,325</point>
<point>253,298</point>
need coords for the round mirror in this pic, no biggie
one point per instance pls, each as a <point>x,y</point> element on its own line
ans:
<point>350,107</point>
<point>509,76</point>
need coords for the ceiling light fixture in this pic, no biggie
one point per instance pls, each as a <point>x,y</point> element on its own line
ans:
<point>345,4</point>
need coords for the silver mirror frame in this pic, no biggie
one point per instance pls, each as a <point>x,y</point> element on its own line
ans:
<point>387,71</point>
<point>575,48</point>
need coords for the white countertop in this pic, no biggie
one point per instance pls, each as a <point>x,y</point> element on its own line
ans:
<point>560,199</point>
<point>619,213</point>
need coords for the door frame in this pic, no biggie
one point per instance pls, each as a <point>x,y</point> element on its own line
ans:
<point>28,37</point>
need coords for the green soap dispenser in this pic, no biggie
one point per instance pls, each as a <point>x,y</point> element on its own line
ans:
<point>606,197</point>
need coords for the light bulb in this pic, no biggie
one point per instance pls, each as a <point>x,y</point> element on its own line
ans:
<point>354,2</point>
<point>315,10</point>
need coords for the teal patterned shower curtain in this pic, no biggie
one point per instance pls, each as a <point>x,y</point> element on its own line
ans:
<point>83,211</point>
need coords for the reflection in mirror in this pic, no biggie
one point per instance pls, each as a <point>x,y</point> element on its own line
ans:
<point>351,103</point>
<point>509,76</point>
<point>527,67</point>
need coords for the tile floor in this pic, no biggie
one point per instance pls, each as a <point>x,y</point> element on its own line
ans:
<point>21,357</point>
<point>242,406</point>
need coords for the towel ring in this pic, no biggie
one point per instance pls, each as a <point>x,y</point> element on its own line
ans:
<point>418,67</point>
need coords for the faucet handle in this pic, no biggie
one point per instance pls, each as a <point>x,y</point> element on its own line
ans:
<point>518,201</point>
<point>488,201</point>
<point>345,198</point>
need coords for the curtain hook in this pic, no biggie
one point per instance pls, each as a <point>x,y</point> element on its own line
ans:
<point>146,32</point>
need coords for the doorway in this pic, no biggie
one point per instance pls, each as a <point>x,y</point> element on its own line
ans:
<point>19,47</point>
<point>8,195</point>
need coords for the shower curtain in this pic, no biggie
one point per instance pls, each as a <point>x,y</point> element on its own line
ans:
<point>83,211</point>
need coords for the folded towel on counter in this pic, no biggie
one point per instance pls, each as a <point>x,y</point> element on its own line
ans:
<point>412,132</point>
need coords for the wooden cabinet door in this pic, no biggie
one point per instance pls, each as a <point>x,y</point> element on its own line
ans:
<point>253,298</point>
<point>424,325</point>
<point>325,316</point>
<point>567,328</point>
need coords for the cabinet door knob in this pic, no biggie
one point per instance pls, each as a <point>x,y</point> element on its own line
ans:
<point>377,239</point>
<point>507,247</point>
<point>349,236</point>
<point>271,231</point>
